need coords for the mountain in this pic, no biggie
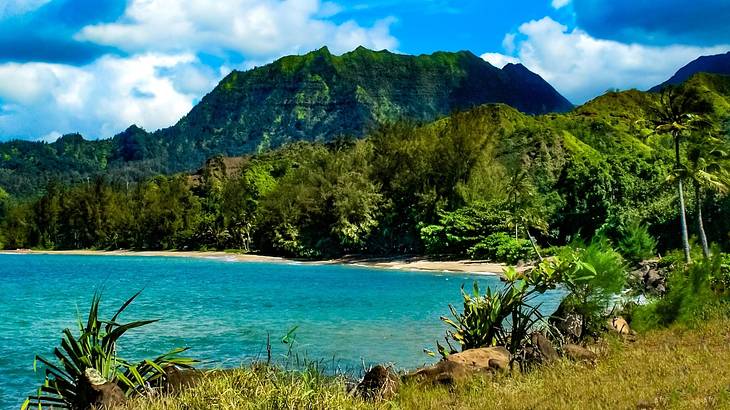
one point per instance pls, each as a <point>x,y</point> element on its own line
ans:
<point>715,64</point>
<point>313,97</point>
<point>319,96</point>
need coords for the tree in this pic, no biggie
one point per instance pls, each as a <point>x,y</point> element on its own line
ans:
<point>680,110</point>
<point>525,205</point>
<point>706,168</point>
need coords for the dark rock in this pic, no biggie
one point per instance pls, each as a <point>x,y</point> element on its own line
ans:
<point>579,354</point>
<point>544,348</point>
<point>180,379</point>
<point>567,322</point>
<point>378,384</point>
<point>100,393</point>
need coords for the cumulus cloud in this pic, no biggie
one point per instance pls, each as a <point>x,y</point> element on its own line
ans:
<point>159,75</point>
<point>559,4</point>
<point>582,67</point>
<point>254,28</point>
<point>499,60</point>
<point>99,99</point>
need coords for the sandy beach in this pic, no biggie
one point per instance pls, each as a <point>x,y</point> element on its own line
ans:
<point>403,263</point>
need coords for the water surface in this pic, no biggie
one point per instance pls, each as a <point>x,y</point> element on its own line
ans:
<point>224,310</point>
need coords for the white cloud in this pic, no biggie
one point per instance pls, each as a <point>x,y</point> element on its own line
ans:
<point>559,4</point>
<point>257,29</point>
<point>10,8</point>
<point>582,67</point>
<point>499,60</point>
<point>99,99</point>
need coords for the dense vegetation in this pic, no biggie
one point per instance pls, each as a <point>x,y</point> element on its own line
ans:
<point>314,97</point>
<point>488,183</point>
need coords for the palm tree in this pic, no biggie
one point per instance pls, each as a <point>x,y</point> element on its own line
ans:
<point>526,206</point>
<point>680,110</point>
<point>706,168</point>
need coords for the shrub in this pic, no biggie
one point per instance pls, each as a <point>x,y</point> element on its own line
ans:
<point>502,247</point>
<point>636,243</point>
<point>507,316</point>
<point>94,353</point>
<point>690,297</point>
<point>592,287</point>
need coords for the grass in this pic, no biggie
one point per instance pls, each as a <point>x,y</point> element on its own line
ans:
<point>677,368</point>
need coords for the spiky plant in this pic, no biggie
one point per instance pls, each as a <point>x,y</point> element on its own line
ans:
<point>93,352</point>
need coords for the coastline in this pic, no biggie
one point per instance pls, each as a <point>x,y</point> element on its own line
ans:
<point>419,263</point>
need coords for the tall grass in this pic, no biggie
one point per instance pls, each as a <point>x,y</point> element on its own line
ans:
<point>675,368</point>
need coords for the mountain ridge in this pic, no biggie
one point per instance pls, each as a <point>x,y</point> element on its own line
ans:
<point>712,64</point>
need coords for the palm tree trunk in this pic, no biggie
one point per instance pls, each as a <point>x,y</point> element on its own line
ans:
<point>683,221</point>
<point>700,224</point>
<point>534,245</point>
<point>682,210</point>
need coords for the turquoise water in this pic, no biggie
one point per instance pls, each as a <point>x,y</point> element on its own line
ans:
<point>224,310</point>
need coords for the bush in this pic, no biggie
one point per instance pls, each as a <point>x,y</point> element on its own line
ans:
<point>691,297</point>
<point>502,247</point>
<point>600,275</point>
<point>94,354</point>
<point>636,243</point>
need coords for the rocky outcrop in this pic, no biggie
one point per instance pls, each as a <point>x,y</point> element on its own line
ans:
<point>378,384</point>
<point>650,277</point>
<point>457,367</point>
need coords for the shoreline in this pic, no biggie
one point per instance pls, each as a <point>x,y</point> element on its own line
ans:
<point>408,263</point>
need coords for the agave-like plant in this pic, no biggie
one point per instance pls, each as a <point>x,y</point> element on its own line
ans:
<point>93,352</point>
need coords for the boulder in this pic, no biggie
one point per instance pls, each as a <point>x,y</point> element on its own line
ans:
<point>619,325</point>
<point>100,393</point>
<point>379,383</point>
<point>457,367</point>
<point>542,346</point>
<point>579,354</point>
<point>567,322</point>
<point>180,379</point>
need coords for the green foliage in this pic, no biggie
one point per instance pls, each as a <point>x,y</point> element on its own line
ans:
<point>503,247</point>
<point>92,355</point>
<point>439,188</point>
<point>599,274</point>
<point>636,243</point>
<point>694,294</point>
<point>458,231</point>
<point>507,316</point>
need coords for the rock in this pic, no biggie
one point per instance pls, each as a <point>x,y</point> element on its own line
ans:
<point>378,384</point>
<point>101,393</point>
<point>619,325</point>
<point>544,348</point>
<point>495,358</point>
<point>579,354</point>
<point>460,366</point>
<point>177,380</point>
<point>566,321</point>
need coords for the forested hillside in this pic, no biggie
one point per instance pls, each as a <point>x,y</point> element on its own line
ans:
<point>316,97</point>
<point>442,187</point>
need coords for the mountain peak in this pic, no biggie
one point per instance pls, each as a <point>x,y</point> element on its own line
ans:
<point>319,96</point>
<point>713,64</point>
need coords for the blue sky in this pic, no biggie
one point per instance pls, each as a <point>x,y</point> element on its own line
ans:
<point>96,67</point>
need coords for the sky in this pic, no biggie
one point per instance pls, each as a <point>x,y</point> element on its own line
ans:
<point>96,67</point>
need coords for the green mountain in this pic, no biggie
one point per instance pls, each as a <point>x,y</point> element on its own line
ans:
<point>714,64</point>
<point>313,97</point>
<point>320,96</point>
